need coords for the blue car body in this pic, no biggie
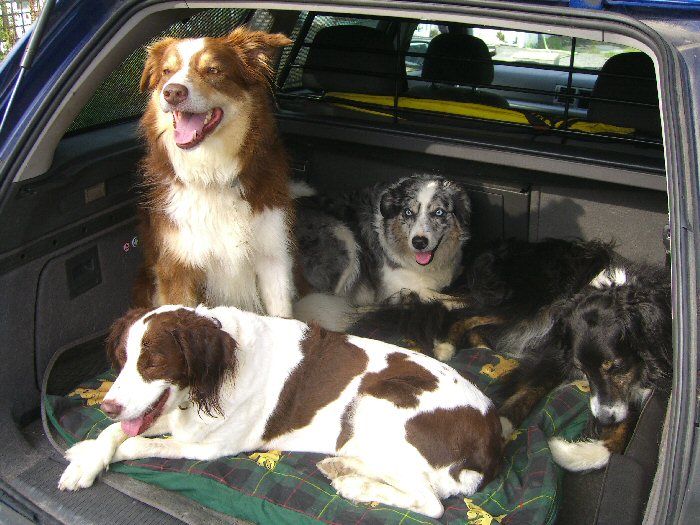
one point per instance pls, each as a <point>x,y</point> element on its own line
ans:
<point>77,31</point>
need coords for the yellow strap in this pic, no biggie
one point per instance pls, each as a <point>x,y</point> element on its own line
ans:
<point>469,109</point>
<point>466,109</point>
<point>598,127</point>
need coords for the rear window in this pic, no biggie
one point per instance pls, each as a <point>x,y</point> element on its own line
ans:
<point>553,93</point>
<point>462,79</point>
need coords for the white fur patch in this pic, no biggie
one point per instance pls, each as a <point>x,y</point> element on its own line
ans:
<point>214,233</point>
<point>443,351</point>
<point>298,189</point>
<point>506,428</point>
<point>245,255</point>
<point>421,226</point>
<point>640,395</point>
<point>332,312</point>
<point>578,456</point>
<point>618,411</point>
<point>610,277</point>
<point>273,261</point>
<point>349,277</point>
<point>186,49</point>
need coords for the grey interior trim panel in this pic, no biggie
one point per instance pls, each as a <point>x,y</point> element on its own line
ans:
<point>478,153</point>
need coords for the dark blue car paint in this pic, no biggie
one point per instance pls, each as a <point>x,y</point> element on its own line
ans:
<point>76,27</point>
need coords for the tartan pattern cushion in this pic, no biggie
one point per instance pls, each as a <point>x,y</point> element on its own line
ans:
<point>286,487</point>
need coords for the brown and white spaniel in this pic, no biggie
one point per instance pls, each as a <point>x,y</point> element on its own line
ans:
<point>399,427</point>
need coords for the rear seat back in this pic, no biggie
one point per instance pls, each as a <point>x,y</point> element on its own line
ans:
<point>354,59</point>
<point>625,94</point>
<point>455,66</point>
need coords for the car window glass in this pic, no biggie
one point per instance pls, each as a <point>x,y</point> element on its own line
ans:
<point>307,27</point>
<point>469,79</point>
<point>455,79</point>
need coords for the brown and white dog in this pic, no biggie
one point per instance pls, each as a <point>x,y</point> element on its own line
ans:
<point>401,427</point>
<point>216,215</point>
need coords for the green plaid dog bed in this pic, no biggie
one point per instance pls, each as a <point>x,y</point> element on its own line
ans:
<point>286,487</point>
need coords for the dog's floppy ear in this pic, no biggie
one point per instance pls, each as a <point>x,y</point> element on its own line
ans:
<point>258,47</point>
<point>462,208</point>
<point>649,328</point>
<point>389,206</point>
<point>210,355</point>
<point>560,313</point>
<point>117,335</point>
<point>151,68</point>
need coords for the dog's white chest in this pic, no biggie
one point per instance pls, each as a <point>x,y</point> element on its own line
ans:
<point>214,229</point>
<point>213,226</point>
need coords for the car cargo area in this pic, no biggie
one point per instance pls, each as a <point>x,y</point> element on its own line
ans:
<point>547,142</point>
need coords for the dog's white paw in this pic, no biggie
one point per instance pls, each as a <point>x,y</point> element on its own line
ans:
<point>577,456</point>
<point>86,462</point>
<point>366,490</point>
<point>455,304</point>
<point>506,428</point>
<point>444,351</point>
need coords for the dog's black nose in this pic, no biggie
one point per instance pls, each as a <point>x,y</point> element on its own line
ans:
<point>175,93</point>
<point>111,408</point>
<point>419,242</point>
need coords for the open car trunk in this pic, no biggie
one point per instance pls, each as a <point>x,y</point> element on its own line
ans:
<point>70,251</point>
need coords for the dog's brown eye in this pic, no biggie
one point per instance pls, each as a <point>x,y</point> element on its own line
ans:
<point>214,70</point>
<point>166,71</point>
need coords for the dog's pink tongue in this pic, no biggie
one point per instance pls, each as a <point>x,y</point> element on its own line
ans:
<point>424,258</point>
<point>188,126</point>
<point>133,427</point>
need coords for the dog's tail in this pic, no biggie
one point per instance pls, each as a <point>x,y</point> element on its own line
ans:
<point>299,189</point>
<point>331,312</point>
<point>578,456</point>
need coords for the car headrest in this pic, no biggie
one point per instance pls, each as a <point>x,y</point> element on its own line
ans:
<point>354,59</point>
<point>457,58</point>
<point>625,81</point>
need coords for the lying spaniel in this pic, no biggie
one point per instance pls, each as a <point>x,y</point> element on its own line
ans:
<point>400,428</point>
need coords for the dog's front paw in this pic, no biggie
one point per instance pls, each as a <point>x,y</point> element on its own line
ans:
<point>443,351</point>
<point>86,462</point>
<point>454,303</point>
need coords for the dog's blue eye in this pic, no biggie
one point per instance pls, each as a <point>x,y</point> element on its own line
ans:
<point>407,212</point>
<point>439,212</point>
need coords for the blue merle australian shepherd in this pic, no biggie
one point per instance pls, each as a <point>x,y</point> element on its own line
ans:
<point>386,241</point>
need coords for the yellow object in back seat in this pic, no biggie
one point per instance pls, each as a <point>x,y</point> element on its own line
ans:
<point>467,109</point>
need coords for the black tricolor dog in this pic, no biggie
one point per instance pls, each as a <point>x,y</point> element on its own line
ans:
<point>565,312</point>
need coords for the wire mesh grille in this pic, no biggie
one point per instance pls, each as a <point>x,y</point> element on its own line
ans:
<point>119,97</point>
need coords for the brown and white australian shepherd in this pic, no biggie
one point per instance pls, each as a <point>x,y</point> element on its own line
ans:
<point>399,427</point>
<point>216,213</point>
